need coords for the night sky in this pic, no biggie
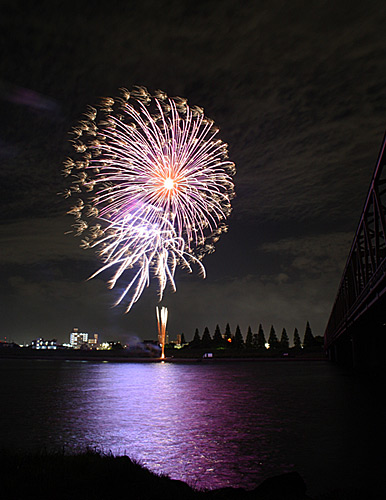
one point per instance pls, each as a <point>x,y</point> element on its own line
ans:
<point>298,91</point>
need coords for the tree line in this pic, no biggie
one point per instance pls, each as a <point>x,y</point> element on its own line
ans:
<point>257,341</point>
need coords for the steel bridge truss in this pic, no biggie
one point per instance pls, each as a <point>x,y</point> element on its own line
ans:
<point>364,278</point>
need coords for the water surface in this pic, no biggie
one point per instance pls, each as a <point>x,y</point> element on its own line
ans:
<point>211,424</point>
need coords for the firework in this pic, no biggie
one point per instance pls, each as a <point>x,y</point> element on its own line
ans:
<point>162,319</point>
<point>153,187</point>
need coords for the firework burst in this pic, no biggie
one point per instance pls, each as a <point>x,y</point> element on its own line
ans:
<point>153,187</point>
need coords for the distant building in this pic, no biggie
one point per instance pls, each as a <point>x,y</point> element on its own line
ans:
<point>82,340</point>
<point>40,343</point>
<point>93,342</point>
<point>77,338</point>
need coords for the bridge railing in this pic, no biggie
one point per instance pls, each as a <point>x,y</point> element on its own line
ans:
<point>366,263</point>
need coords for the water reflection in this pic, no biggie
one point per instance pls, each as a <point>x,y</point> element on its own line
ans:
<point>211,425</point>
<point>176,419</point>
<point>195,419</point>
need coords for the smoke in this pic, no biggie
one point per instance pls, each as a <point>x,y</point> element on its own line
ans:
<point>135,344</point>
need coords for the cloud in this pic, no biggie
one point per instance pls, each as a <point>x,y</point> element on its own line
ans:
<point>50,307</point>
<point>32,241</point>
<point>298,93</point>
<point>300,287</point>
<point>284,83</point>
<point>249,301</point>
<point>307,256</point>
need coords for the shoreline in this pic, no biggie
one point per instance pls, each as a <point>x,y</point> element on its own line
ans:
<point>40,474</point>
<point>169,359</point>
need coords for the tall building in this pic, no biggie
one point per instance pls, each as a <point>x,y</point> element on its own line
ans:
<point>80,339</point>
<point>77,338</point>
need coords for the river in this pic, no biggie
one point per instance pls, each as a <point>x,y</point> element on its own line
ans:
<point>211,424</point>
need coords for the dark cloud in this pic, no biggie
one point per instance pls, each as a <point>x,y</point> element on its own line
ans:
<point>29,241</point>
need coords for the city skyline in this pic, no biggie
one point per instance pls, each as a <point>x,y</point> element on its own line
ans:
<point>77,337</point>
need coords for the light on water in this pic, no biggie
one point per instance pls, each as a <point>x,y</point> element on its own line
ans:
<point>210,424</point>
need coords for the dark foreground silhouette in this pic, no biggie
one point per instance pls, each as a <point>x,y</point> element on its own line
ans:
<point>96,476</point>
<point>92,475</point>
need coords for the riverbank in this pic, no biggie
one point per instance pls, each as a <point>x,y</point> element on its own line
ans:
<point>172,356</point>
<point>91,475</point>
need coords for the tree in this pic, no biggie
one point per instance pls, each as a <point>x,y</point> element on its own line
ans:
<point>249,338</point>
<point>217,337</point>
<point>206,340</point>
<point>259,339</point>
<point>308,340</point>
<point>284,340</point>
<point>116,346</point>
<point>272,339</point>
<point>297,342</point>
<point>196,342</point>
<point>228,335</point>
<point>183,341</point>
<point>238,340</point>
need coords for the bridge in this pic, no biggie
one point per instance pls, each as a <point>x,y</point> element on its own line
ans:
<point>356,331</point>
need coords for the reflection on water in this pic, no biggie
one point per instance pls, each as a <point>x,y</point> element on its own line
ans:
<point>211,425</point>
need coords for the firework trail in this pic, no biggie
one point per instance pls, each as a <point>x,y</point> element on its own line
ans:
<point>162,319</point>
<point>152,187</point>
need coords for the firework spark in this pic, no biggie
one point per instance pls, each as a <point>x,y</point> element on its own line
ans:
<point>162,319</point>
<point>153,187</point>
